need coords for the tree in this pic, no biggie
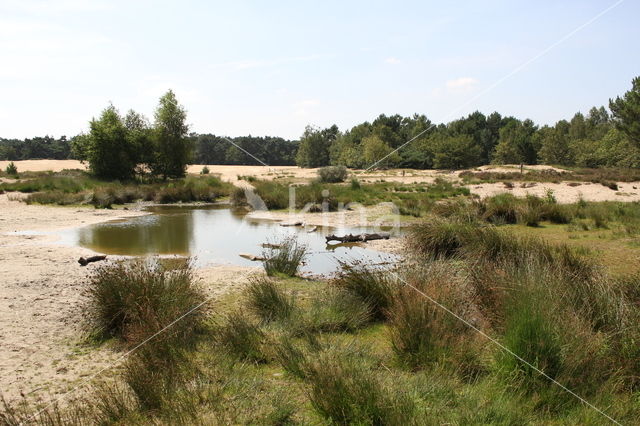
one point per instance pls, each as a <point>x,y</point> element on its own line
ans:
<point>171,147</point>
<point>456,152</point>
<point>139,137</point>
<point>377,153</point>
<point>107,149</point>
<point>555,148</point>
<point>315,145</point>
<point>518,143</point>
<point>626,112</point>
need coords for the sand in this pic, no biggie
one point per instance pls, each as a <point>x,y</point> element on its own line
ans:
<point>41,299</point>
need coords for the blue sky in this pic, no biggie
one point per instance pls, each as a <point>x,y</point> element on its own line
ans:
<point>270,68</point>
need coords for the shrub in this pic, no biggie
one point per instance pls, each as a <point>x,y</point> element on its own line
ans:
<point>284,258</point>
<point>355,184</point>
<point>134,299</point>
<point>372,286</point>
<point>267,301</point>
<point>205,170</point>
<point>11,169</point>
<point>333,174</point>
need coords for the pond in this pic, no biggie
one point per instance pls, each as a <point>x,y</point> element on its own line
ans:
<point>214,235</point>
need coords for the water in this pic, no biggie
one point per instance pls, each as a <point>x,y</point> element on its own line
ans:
<point>214,235</point>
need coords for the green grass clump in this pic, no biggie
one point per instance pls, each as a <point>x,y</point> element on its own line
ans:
<point>373,287</point>
<point>333,311</point>
<point>344,390</point>
<point>268,301</point>
<point>132,300</point>
<point>284,257</point>
<point>241,337</point>
<point>438,238</point>
<point>55,197</point>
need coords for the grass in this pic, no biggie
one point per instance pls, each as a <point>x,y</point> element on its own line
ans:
<point>332,197</point>
<point>75,187</point>
<point>268,301</point>
<point>371,346</point>
<point>284,257</point>
<point>371,286</point>
<point>131,300</point>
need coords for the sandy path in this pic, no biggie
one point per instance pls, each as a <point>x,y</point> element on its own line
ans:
<point>41,294</point>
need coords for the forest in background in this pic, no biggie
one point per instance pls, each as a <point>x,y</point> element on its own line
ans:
<point>601,138</point>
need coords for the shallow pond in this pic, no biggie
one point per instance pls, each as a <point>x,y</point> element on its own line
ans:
<point>214,235</point>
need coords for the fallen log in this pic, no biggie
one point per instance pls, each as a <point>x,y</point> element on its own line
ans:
<point>252,257</point>
<point>84,261</point>
<point>350,238</point>
<point>271,246</point>
<point>299,223</point>
<point>314,229</point>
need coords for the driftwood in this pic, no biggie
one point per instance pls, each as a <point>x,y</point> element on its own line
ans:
<point>314,229</point>
<point>252,257</point>
<point>271,246</point>
<point>350,238</point>
<point>84,261</point>
<point>299,223</point>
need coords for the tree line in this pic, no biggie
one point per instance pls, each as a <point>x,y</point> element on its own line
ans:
<point>599,138</point>
<point>124,146</point>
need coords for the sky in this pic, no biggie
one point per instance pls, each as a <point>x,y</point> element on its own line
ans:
<point>271,68</point>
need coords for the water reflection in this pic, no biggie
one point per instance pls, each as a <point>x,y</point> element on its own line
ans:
<point>214,234</point>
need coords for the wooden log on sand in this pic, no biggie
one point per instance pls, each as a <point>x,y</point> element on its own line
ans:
<point>84,261</point>
<point>299,223</point>
<point>350,238</point>
<point>252,257</point>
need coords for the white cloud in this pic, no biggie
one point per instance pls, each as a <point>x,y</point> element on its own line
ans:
<point>392,60</point>
<point>462,84</point>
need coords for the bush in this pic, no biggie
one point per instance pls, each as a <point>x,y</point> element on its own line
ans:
<point>205,170</point>
<point>284,258</point>
<point>371,286</point>
<point>355,184</point>
<point>333,174</point>
<point>267,301</point>
<point>11,169</point>
<point>134,299</point>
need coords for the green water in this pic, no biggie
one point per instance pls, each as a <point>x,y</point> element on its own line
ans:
<point>214,235</point>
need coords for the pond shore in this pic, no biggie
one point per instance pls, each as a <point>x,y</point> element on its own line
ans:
<point>41,298</point>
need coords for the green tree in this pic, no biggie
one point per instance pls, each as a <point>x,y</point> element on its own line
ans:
<point>172,149</point>
<point>626,112</point>
<point>377,153</point>
<point>518,143</point>
<point>555,147</point>
<point>456,152</point>
<point>107,148</point>
<point>139,137</point>
<point>315,146</point>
